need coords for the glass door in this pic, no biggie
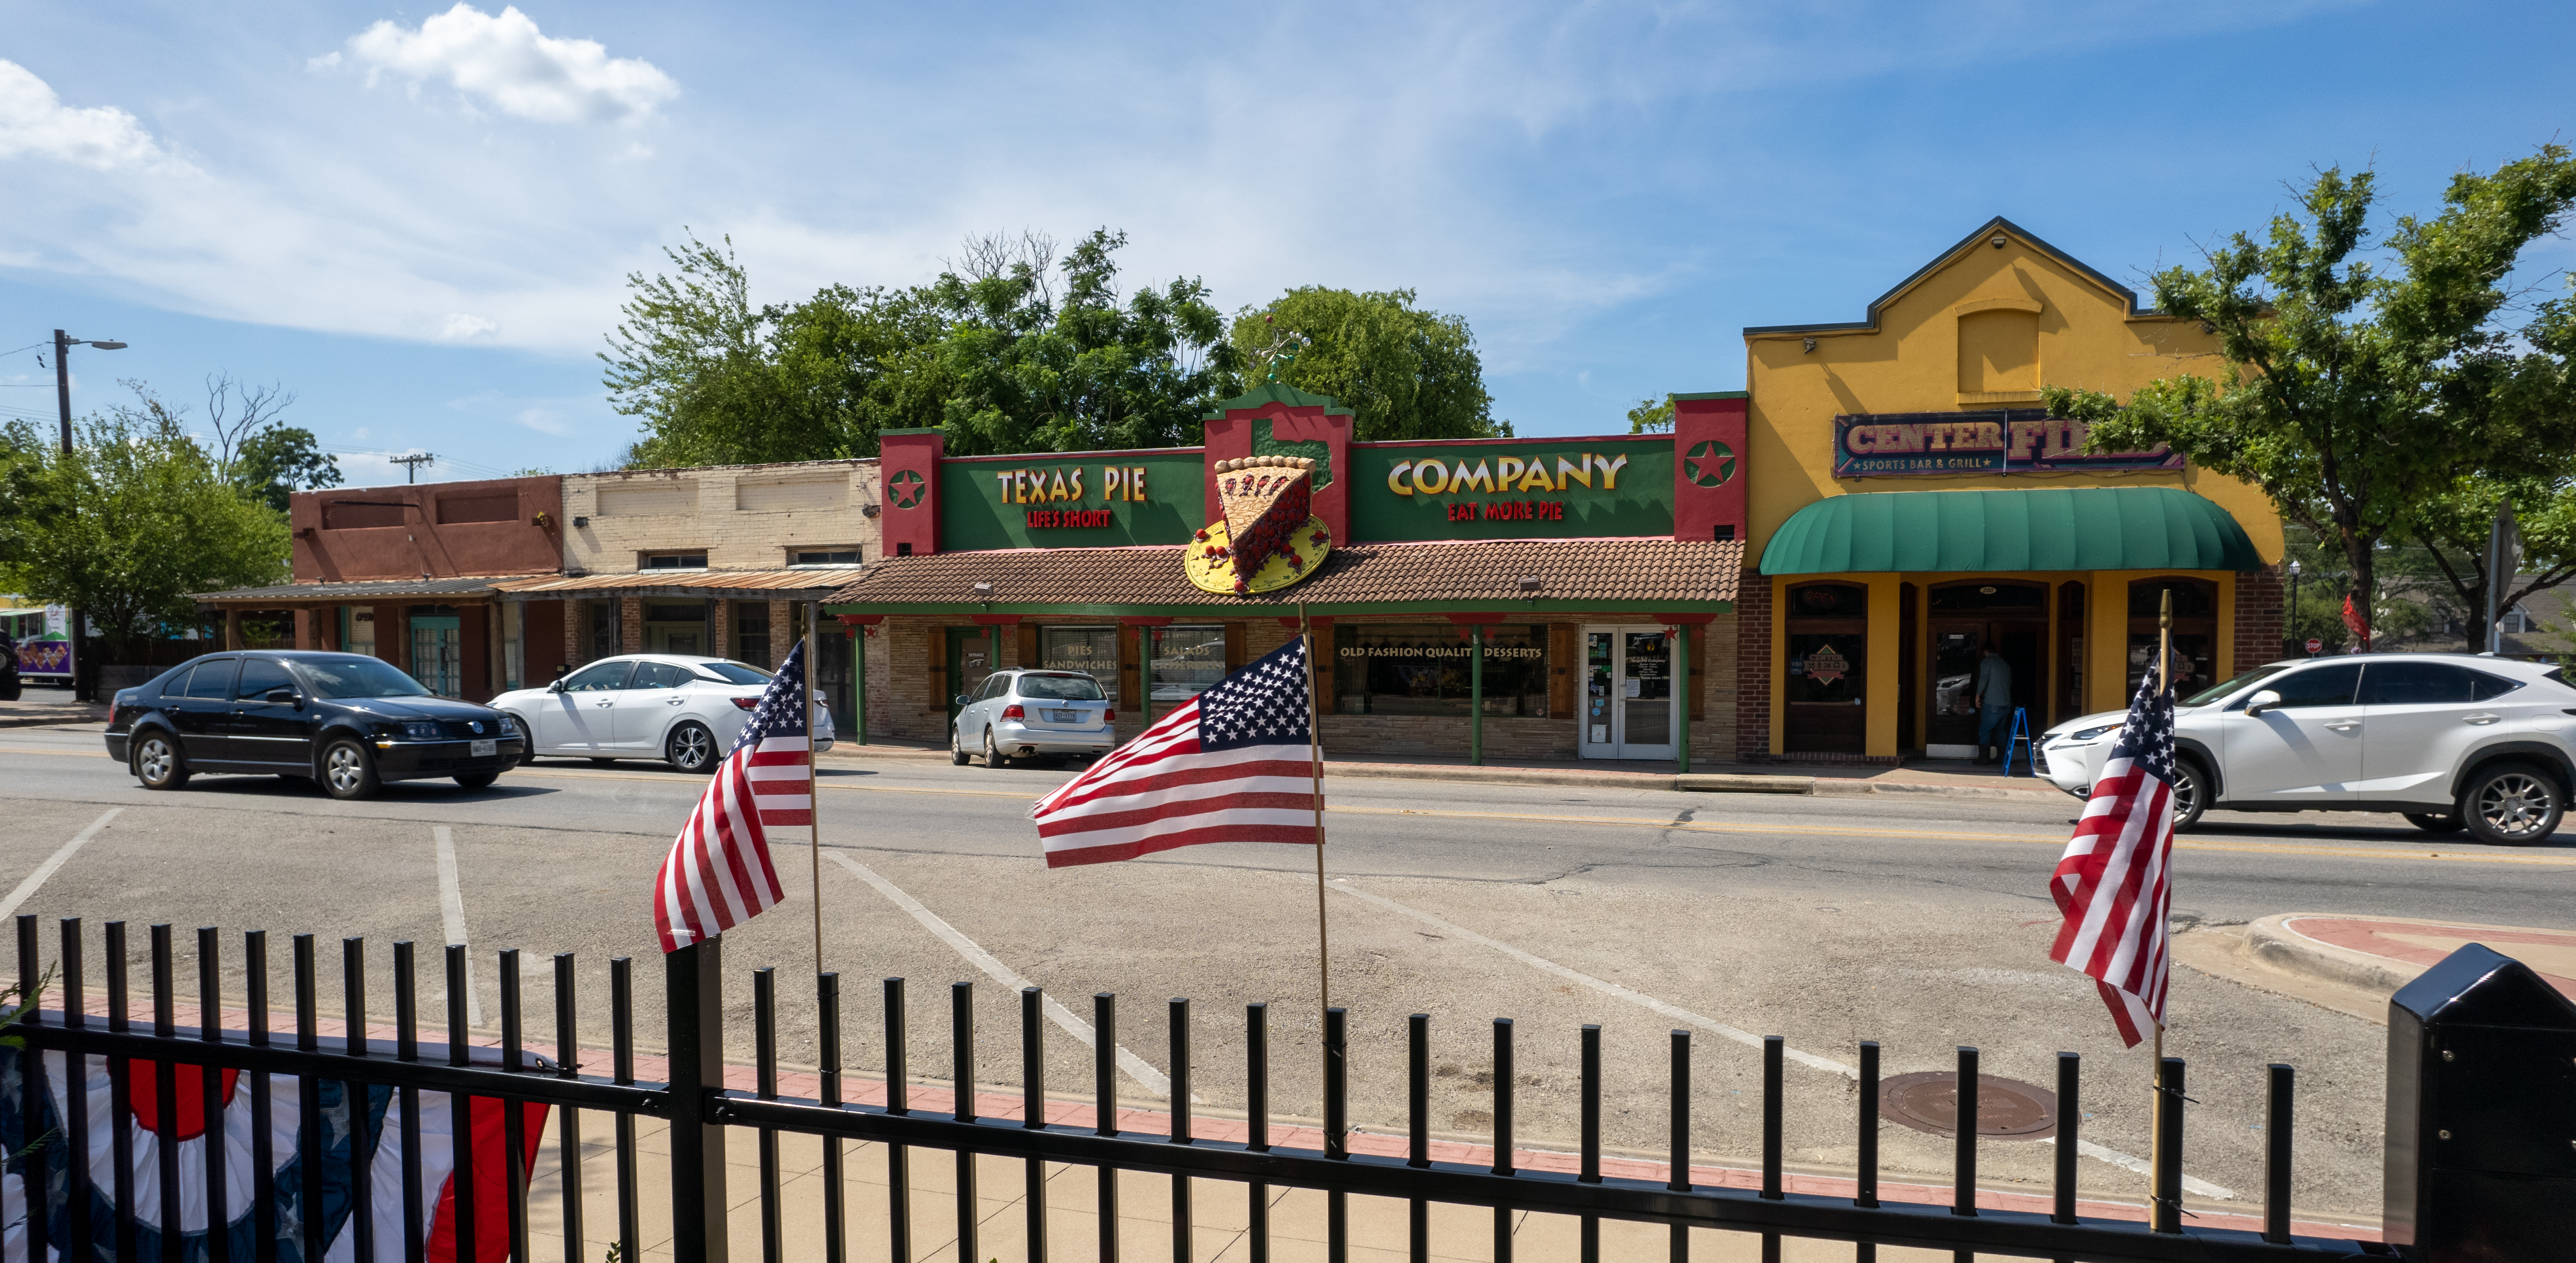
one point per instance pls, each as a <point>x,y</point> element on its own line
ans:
<point>1628,704</point>
<point>438,654</point>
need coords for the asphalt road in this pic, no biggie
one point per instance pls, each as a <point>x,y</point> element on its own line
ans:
<point>1922,922</point>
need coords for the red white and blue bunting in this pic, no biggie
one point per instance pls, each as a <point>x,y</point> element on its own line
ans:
<point>348,1125</point>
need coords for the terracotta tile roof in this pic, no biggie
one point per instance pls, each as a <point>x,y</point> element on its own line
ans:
<point>775,585</point>
<point>1686,574</point>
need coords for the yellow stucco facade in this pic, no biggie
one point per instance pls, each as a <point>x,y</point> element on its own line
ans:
<point>1979,329</point>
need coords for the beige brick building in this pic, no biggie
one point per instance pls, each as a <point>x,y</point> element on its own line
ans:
<point>719,560</point>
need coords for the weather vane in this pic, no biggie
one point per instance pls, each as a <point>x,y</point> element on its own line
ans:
<point>1281,352</point>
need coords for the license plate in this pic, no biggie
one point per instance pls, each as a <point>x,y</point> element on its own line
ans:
<point>1064,716</point>
<point>485,749</point>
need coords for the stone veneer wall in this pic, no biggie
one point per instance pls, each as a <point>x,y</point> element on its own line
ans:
<point>902,708</point>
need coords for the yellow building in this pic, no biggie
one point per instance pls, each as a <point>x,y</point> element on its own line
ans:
<point>1913,503</point>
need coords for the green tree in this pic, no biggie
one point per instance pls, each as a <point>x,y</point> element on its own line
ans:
<point>1651,417</point>
<point>131,523</point>
<point>2454,531</point>
<point>1025,371</point>
<point>987,351</point>
<point>281,460</point>
<point>1405,372</point>
<point>2356,395</point>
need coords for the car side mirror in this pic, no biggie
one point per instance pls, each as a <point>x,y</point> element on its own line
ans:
<point>2263,701</point>
<point>284,697</point>
<point>555,687</point>
<point>961,699</point>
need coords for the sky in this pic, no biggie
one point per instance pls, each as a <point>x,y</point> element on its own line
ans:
<point>421,221</point>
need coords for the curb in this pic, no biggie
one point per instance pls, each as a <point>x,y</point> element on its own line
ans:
<point>1693,782</point>
<point>2272,942</point>
<point>52,721</point>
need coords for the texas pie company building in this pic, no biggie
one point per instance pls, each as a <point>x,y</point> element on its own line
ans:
<point>1520,598</point>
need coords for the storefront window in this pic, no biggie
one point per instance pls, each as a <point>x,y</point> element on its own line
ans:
<point>676,628</point>
<point>751,634</point>
<point>2195,631</point>
<point>1188,661</point>
<point>1423,669</point>
<point>1093,651</point>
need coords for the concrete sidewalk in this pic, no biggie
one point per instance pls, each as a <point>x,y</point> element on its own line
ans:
<point>1944,778</point>
<point>50,708</point>
<point>2352,964</point>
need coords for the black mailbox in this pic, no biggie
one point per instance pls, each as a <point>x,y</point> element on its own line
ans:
<point>2481,1113</point>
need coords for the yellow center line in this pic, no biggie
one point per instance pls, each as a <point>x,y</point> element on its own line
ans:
<point>2183,844</point>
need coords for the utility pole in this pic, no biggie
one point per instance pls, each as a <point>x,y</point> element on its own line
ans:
<point>63,345</point>
<point>411,465</point>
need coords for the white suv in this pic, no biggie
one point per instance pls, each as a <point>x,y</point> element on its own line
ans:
<point>1032,714</point>
<point>2449,741</point>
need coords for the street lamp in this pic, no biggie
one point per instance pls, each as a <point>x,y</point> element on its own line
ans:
<point>63,344</point>
<point>63,377</point>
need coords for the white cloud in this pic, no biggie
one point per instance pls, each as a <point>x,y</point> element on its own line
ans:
<point>543,421</point>
<point>33,120</point>
<point>506,63</point>
<point>461,327</point>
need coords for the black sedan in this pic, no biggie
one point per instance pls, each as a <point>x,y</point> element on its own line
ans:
<point>349,721</point>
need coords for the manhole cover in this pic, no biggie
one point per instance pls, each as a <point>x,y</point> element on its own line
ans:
<point>1928,1100</point>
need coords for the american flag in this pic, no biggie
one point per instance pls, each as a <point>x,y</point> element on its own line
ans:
<point>1230,765</point>
<point>2114,884</point>
<point>718,874</point>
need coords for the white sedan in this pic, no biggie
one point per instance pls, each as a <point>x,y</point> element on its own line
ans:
<point>679,708</point>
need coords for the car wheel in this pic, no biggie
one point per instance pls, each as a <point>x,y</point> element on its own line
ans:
<point>157,763</point>
<point>477,780</point>
<point>956,747</point>
<point>691,747</point>
<point>348,771</point>
<point>992,755</point>
<point>2191,793</point>
<point>2511,804</point>
<point>2434,823</point>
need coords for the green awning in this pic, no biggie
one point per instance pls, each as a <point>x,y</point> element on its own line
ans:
<point>2051,528</point>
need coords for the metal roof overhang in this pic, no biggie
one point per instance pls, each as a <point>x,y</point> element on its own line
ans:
<point>761,585</point>
<point>1987,532</point>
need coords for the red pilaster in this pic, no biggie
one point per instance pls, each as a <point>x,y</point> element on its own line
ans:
<point>911,512</point>
<point>1709,468</point>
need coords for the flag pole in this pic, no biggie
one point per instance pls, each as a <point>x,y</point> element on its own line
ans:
<point>813,780</point>
<point>2155,1069</point>
<point>1315,756</point>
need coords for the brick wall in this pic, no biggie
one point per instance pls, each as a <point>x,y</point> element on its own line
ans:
<point>745,517</point>
<point>1752,666</point>
<point>902,706</point>
<point>2259,596</point>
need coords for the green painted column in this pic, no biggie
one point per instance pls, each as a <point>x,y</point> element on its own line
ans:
<point>1145,674</point>
<point>1476,695</point>
<point>1681,699</point>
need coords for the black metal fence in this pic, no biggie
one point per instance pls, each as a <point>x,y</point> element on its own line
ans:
<point>339,1188</point>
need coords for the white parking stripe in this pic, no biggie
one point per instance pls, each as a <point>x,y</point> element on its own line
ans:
<point>1341,885</point>
<point>36,879</point>
<point>451,907</point>
<point>1155,1081</point>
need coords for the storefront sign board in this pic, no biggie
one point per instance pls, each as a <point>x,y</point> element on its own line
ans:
<point>1078,500</point>
<point>1898,444</point>
<point>1512,489</point>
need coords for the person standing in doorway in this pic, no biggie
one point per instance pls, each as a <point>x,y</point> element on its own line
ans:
<point>1992,692</point>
